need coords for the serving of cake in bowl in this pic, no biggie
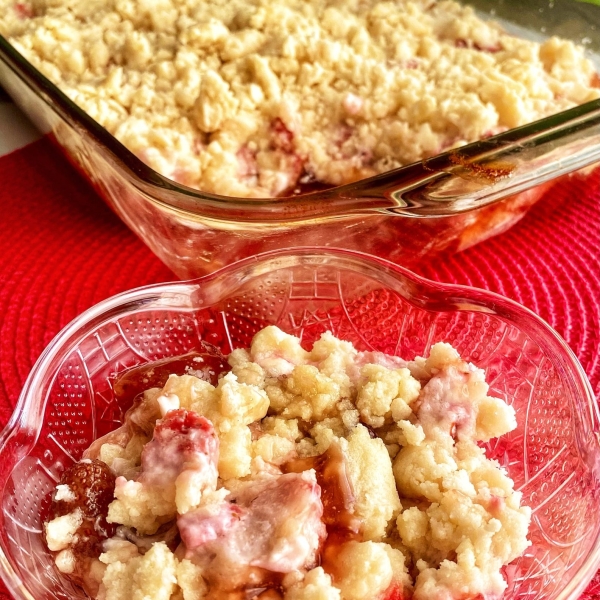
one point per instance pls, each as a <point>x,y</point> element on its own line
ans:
<point>288,473</point>
<point>305,424</point>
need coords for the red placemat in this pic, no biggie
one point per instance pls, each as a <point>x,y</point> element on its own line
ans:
<point>62,250</point>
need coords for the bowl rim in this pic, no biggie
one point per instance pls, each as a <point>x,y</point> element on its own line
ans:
<point>424,293</point>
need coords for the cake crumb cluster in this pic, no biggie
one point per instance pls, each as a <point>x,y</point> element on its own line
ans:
<point>322,474</point>
<point>257,98</point>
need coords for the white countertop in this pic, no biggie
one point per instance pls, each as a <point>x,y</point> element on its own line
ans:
<point>15,130</point>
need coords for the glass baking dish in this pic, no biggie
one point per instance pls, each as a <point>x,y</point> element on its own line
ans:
<point>448,202</point>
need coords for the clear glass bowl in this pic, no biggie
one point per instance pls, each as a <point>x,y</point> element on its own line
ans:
<point>448,202</point>
<point>553,455</point>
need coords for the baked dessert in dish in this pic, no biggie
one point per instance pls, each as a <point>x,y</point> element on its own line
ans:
<point>267,98</point>
<point>283,473</point>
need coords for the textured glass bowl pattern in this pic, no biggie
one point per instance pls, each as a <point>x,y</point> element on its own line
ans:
<point>448,202</point>
<point>553,455</point>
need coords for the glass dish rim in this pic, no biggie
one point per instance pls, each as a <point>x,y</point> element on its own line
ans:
<point>422,292</point>
<point>367,195</point>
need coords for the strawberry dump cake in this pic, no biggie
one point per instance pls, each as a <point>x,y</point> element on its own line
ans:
<point>262,98</point>
<point>328,474</point>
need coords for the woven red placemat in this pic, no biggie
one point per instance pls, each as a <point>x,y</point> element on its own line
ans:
<point>62,250</point>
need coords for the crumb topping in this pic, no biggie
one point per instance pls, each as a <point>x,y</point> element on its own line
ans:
<point>328,474</point>
<point>253,98</point>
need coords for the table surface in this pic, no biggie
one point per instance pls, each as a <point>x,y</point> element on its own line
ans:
<point>62,250</point>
